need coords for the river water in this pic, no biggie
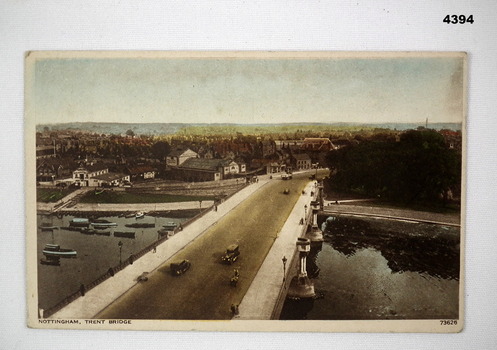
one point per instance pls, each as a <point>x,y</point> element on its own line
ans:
<point>96,253</point>
<point>382,269</point>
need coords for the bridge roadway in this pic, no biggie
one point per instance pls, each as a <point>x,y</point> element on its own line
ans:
<point>253,218</point>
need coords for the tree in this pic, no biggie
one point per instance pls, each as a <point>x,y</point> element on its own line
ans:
<point>418,168</point>
<point>160,149</point>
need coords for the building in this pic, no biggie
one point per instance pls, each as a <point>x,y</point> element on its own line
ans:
<point>46,172</point>
<point>301,161</point>
<point>141,172</point>
<point>82,175</point>
<point>45,152</point>
<point>202,169</point>
<point>317,144</point>
<point>179,155</point>
<point>198,169</point>
<point>109,180</point>
<point>267,148</point>
<point>276,167</point>
<point>231,167</point>
<point>53,169</point>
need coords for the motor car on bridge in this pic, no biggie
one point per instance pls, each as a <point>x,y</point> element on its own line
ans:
<point>231,255</point>
<point>179,267</point>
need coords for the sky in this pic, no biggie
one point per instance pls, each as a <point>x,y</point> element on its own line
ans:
<point>245,90</point>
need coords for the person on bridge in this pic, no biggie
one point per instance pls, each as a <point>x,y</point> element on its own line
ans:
<point>234,309</point>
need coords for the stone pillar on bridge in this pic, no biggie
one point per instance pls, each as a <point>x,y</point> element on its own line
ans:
<point>301,286</point>
<point>320,196</point>
<point>314,234</point>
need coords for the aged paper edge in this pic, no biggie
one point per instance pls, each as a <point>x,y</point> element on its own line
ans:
<point>401,326</point>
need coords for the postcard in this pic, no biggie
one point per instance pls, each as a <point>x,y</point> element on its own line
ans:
<point>245,191</point>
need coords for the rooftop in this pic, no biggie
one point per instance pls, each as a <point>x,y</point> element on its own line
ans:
<point>110,176</point>
<point>202,163</point>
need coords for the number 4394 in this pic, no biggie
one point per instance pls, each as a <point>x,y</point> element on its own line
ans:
<point>461,19</point>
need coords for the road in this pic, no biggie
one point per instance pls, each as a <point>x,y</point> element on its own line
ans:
<point>203,292</point>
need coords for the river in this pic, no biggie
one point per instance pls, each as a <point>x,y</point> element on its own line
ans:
<point>371,269</point>
<point>96,253</point>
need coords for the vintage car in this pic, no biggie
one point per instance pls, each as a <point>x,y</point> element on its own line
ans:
<point>179,267</point>
<point>232,253</point>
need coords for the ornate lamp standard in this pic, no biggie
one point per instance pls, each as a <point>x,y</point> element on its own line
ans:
<point>120,244</point>
<point>305,212</point>
<point>284,267</point>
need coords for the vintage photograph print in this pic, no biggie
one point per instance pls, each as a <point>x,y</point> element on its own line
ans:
<point>245,191</point>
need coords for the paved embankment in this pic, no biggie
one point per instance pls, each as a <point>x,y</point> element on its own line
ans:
<point>98,298</point>
<point>51,207</point>
<point>132,207</point>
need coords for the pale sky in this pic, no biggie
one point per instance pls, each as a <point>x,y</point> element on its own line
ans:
<point>196,90</point>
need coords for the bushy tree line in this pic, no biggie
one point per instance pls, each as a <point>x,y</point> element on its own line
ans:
<point>418,167</point>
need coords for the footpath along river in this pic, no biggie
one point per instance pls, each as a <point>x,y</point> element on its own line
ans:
<point>372,268</point>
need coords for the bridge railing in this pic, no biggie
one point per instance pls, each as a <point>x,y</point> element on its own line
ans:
<point>292,265</point>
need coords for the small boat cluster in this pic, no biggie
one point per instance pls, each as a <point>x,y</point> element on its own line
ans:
<point>53,252</point>
<point>99,226</point>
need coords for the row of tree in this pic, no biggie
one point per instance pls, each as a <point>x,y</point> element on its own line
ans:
<point>418,167</point>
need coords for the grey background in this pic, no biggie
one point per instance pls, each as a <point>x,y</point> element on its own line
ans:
<point>252,25</point>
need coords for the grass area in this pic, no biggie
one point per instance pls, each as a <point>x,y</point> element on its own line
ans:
<point>450,208</point>
<point>115,197</point>
<point>51,195</point>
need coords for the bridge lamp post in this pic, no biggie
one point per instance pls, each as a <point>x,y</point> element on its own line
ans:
<point>120,244</point>
<point>284,267</point>
<point>305,212</point>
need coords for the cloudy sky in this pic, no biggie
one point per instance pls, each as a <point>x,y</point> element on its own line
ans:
<point>245,90</point>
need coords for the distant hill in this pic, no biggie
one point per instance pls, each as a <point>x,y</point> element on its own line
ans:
<point>155,129</point>
<point>117,128</point>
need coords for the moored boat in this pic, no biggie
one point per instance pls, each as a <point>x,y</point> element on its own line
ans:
<point>88,230</point>
<point>170,226</point>
<point>79,222</point>
<point>54,250</point>
<point>102,223</point>
<point>48,228</point>
<point>71,228</point>
<point>102,233</point>
<point>124,234</point>
<point>139,215</point>
<point>140,225</point>
<point>51,260</point>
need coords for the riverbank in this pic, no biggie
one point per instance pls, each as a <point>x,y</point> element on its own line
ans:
<point>371,209</point>
<point>132,207</point>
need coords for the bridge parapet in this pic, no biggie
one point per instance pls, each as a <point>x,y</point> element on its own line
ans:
<point>301,286</point>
